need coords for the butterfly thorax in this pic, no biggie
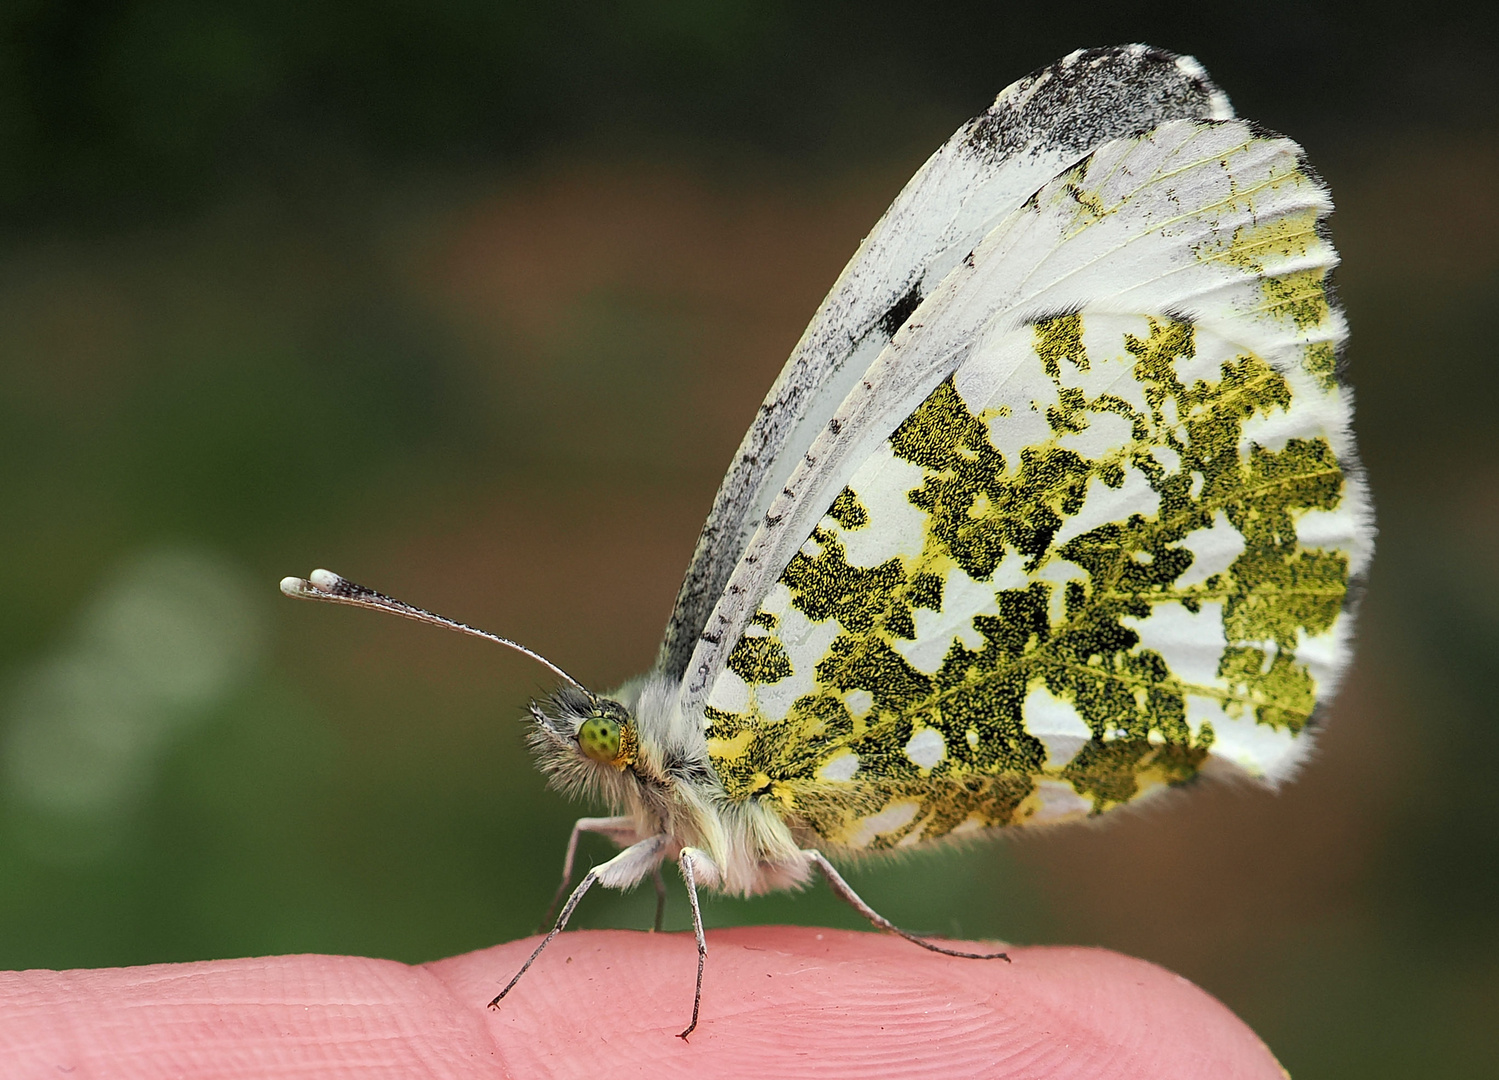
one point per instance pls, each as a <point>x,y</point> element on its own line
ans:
<point>634,751</point>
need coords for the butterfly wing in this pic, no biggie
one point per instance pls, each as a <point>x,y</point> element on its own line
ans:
<point>1085,527</point>
<point>1036,128</point>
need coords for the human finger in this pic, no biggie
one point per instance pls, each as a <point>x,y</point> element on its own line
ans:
<point>785,1001</point>
<point>797,1001</point>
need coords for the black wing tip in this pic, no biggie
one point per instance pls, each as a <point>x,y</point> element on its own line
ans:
<point>1142,64</point>
<point>1092,95</point>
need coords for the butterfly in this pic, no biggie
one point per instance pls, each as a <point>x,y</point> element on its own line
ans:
<point>1055,506</point>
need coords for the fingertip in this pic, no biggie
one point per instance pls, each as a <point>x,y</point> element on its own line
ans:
<point>866,1005</point>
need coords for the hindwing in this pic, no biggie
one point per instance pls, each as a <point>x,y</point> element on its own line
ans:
<point>1086,526</point>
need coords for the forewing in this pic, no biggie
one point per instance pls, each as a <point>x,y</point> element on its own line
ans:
<point>1037,127</point>
<point>1087,526</point>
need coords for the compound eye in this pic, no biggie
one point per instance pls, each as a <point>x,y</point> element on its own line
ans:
<point>599,738</point>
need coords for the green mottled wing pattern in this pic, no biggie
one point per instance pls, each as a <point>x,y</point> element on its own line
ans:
<point>1109,549</point>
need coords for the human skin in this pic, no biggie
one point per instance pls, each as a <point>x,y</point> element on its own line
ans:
<point>777,1002</point>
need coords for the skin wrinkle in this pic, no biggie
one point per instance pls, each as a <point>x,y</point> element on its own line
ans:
<point>457,1007</point>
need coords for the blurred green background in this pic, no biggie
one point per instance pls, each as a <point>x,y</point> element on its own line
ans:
<point>472,301</point>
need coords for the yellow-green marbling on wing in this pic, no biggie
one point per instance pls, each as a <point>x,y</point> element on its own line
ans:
<point>1108,548</point>
<point>1209,222</point>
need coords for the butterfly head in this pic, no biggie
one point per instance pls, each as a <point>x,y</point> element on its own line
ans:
<point>586,741</point>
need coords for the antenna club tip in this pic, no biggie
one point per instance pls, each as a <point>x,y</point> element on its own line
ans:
<point>318,585</point>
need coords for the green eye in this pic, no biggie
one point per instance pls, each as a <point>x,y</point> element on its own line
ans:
<point>599,738</point>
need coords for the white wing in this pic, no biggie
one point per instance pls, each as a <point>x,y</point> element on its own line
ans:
<point>1210,223</point>
<point>1035,129</point>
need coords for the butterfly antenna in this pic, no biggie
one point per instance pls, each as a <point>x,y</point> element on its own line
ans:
<point>326,585</point>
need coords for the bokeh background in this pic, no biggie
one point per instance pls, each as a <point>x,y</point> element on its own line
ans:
<point>471,300</point>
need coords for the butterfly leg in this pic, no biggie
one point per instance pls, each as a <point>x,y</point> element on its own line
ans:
<point>845,892</point>
<point>690,860</point>
<point>619,829</point>
<point>620,872</point>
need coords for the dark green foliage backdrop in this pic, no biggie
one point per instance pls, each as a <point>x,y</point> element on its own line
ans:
<point>472,301</point>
